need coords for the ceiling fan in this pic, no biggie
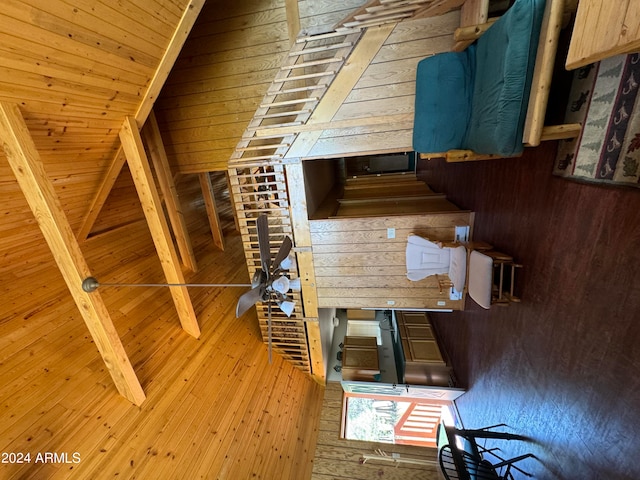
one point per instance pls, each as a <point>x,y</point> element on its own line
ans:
<point>269,284</point>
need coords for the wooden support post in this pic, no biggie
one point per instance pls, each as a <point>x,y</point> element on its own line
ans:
<point>293,19</point>
<point>233,202</point>
<point>212,212</point>
<point>543,72</point>
<point>158,154</point>
<point>150,200</point>
<point>306,271</point>
<point>37,187</point>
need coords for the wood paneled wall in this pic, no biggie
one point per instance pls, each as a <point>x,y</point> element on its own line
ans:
<point>235,51</point>
<point>224,70</point>
<point>380,107</point>
<point>318,16</point>
<point>336,458</point>
<point>357,265</point>
<point>121,207</point>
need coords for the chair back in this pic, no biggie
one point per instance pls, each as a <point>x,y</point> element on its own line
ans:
<point>475,468</point>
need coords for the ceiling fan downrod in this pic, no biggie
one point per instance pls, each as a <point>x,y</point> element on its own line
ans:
<point>91,284</point>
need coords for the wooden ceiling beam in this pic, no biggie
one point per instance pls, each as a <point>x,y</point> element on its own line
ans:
<point>38,189</point>
<point>212,211</point>
<point>153,139</point>
<point>169,58</point>
<point>152,207</point>
<point>158,80</point>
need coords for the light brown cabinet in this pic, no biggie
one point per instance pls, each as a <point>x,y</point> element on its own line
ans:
<point>423,360</point>
<point>360,358</point>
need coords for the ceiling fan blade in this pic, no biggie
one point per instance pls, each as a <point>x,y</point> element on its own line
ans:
<point>269,329</point>
<point>248,299</point>
<point>264,243</point>
<point>283,253</point>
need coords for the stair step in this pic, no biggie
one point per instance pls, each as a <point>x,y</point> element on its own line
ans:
<point>262,147</point>
<point>324,48</point>
<point>250,138</point>
<point>434,203</point>
<point>305,77</point>
<point>314,63</point>
<point>290,113</point>
<point>321,36</point>
<point>261,157</point>
<point>394,199</point>
<point>377,21</point>
<point>387,191</point>
<point>308,88</point>
<point>284,124</point>
<point>382,178</point>
<point>289,102</point>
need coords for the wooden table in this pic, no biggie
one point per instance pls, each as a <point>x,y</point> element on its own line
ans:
<point>604,28</point>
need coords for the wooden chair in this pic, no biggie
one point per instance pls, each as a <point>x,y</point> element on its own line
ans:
<point>492,278</point>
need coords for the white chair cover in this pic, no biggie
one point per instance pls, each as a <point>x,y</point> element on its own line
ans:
<point>425,258</point>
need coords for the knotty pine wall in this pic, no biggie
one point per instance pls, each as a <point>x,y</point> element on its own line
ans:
<point>235,51</point>
<point>317,16</point>
<point>383,99</point>
<point>336,458</point>
<point>358,266</point>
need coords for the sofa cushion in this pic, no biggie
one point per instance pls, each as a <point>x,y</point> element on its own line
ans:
<point>444,84</point>
<point>504,61</point>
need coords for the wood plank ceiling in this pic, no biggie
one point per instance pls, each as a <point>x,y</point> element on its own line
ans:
<point>77,69</point>
<point>72,72</point>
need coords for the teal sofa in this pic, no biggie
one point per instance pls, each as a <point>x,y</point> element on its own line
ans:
<point>477,99</point>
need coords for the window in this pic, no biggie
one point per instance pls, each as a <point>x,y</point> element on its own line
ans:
<point>389,420</point>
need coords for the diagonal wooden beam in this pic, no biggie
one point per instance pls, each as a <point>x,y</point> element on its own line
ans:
<point>101,197</point>
<point>180,34</point>
<point>212,211</point>
<point>150,96</point>
<point>362,55</point>
<point>29,170</point>
<point>153,138</point>
<point>152,206</point>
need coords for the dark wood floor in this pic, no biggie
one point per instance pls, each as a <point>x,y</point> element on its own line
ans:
<point>562,367</point>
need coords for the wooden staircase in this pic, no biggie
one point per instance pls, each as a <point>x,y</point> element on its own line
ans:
<point>389,194</point>
<point>257,169</point>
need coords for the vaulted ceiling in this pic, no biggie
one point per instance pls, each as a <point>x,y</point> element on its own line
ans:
<point>77,69</point>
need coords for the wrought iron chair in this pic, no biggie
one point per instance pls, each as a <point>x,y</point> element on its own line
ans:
<point>476,467</point>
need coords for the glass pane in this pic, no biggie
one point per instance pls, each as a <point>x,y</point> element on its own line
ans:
<point>373,420</point>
